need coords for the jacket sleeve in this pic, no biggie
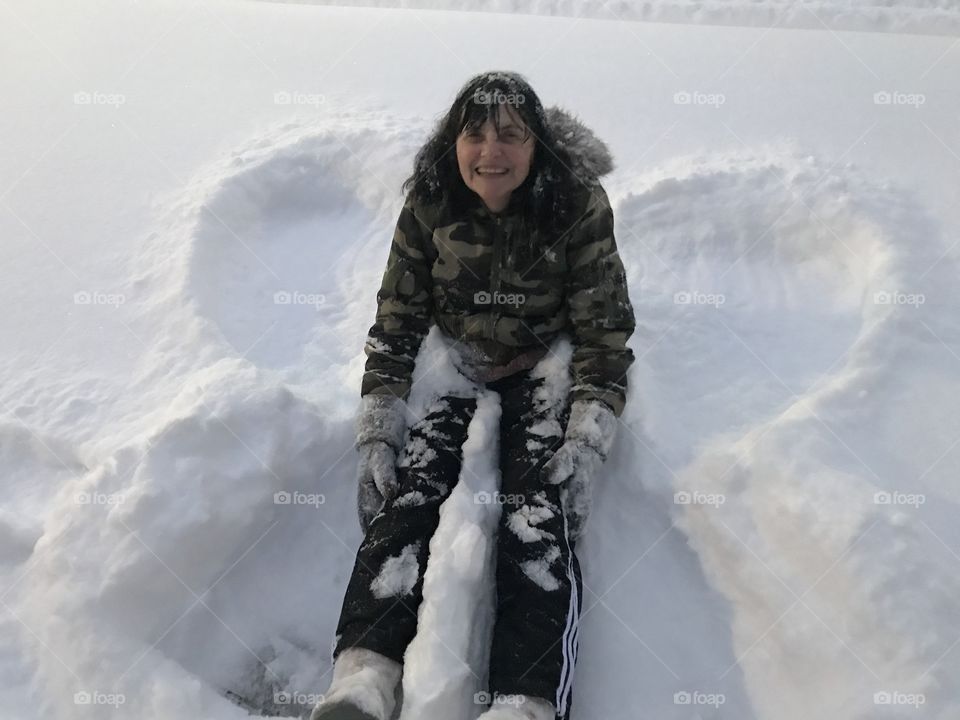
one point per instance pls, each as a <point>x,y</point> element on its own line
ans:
<point>599,310</point>
<point>404,309</point>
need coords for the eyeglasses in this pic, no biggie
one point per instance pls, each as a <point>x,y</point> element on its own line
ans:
<point>508,136</point>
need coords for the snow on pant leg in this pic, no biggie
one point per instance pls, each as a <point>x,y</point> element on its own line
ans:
<point>380,605</point>
<point>539,586</point>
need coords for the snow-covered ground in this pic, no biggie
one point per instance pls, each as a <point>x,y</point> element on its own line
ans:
<point>196,201</point>
<point>937,17</point>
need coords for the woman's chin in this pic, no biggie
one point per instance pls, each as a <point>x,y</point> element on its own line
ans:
<point>492,195</point>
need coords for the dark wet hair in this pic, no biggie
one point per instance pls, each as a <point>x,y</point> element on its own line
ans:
<point>545,195</point>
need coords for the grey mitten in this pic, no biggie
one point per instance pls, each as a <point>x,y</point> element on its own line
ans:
<point>380,427</point>
<point>587,442</point>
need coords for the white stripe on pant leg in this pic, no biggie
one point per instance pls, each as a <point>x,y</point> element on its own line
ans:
<point>569,633</point>
<point>567,659</point>
<point>563,645</point>
<point>570,641</point>
<point>574,636</point>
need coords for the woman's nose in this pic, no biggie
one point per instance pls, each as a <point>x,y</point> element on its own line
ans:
<point>490,147</point>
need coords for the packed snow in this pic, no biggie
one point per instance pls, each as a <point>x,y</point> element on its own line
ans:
<point>196,202</point>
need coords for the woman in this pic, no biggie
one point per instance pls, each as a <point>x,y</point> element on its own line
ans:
<point>505,245</point>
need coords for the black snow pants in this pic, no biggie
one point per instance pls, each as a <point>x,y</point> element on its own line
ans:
<point>539,585</point>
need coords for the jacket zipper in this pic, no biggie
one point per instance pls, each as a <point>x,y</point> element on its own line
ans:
<point>494,277</point>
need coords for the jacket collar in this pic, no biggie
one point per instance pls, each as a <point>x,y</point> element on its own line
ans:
<point>479,209</point>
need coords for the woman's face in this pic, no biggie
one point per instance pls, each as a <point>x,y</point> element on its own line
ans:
<point>492,166</point>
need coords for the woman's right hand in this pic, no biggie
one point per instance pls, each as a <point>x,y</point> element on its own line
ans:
<point>376,480</point>
<point>380,426</point>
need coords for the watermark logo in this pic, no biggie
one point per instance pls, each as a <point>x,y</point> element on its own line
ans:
<point>96,697</point>
<point>287,697</point>
<point>695,697</point>
<point>695,97</point>
<point>298,498</point>
<point>884,497</point>
<point>485,698</point>
<point>498,498</point>
<point>694,297</point>
<point>894,97</point>
<point>895,697</point>
<point>498,298</point>
<point>295,297</point>
<point>698,498</point>
<point>498,97</point>
<point>97,498</point>
<point>285,97</point>
<point>94,297</point>
<point>898,298</point>
<point>82,97</point>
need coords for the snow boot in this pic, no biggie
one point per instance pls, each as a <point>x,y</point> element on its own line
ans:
<point>363,688</point>
<point>521,707</point>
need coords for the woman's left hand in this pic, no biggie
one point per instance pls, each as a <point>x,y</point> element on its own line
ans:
<point>587,442</point>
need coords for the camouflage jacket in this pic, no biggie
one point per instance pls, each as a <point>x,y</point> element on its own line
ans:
<point>502,306</point>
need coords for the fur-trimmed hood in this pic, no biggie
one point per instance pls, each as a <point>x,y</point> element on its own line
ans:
<point>590,155</point>
<point>588,159</point>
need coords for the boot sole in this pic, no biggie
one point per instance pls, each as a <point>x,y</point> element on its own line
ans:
<point>340,711</point>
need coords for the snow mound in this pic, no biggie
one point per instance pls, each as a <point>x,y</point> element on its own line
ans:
<point>798,381</point>
<point>34,466</point>
<point>212,539</point>
<point>301,198</point>
<point>263,233</point>
<point>737,260</point>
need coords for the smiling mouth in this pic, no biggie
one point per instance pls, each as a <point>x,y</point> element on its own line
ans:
<point>491,171</point>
